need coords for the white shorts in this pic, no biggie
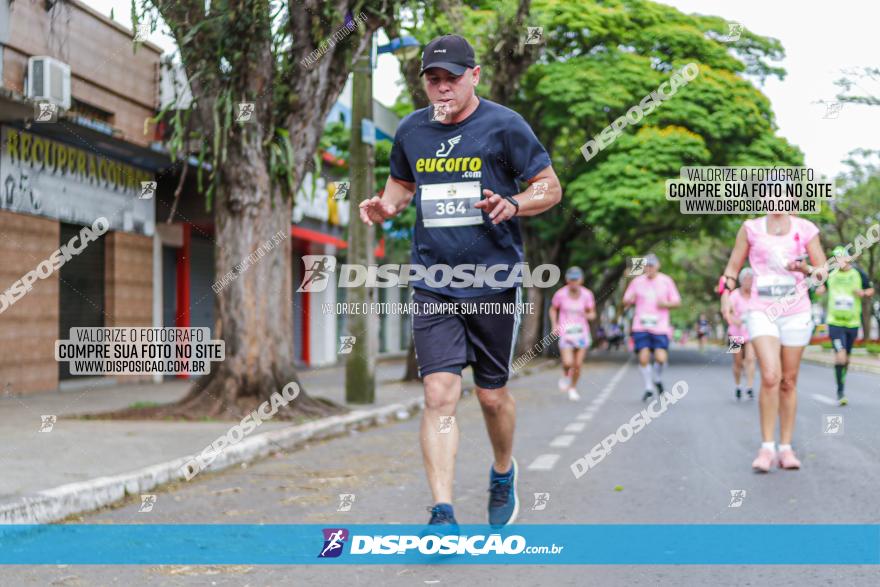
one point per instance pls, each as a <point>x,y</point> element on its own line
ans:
<point>794,330</point>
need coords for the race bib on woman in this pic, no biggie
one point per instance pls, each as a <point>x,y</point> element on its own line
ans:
<point>775,286</point>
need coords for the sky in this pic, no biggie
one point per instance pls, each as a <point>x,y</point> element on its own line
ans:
<point>820,38</point>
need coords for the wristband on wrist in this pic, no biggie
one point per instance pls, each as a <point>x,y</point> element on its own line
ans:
<point>513,201</point>
<point>723,283</point>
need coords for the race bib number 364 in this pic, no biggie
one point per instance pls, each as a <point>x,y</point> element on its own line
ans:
<point>451,204</point>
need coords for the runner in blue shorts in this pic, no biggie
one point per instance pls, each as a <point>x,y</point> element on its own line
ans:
<point>653,294</point>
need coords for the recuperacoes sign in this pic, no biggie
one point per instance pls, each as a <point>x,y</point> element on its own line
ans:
<point>49,178</point>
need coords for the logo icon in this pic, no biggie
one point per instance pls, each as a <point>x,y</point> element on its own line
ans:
<point>539,188</point>
<point>45,112</point>
<point>440,111</point>
<point>832,110</point>
<point>446,423</point>
<point>148,500</point>
<point>342,188</point>
<point>148,190</point>
<point>832,424</point>
<point>638,265</point>
<point>334,540</point>
<point>143,31</point>
<point>318,270</point>
<point>734,32</point>
<point>534,35</point>
<point>245,112</point>
<point>48,422</point>
<point>541,500</point>
<point>735,344</point>
<point>449,143</point>
<point>346,500</point>
<point>737,496</point>
<point>346,344</point>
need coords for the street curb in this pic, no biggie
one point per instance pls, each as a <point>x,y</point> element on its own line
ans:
<point>828,362</point>
<point>57,503</point>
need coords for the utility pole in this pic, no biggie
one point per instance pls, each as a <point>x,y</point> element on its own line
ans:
<point>360,376</point>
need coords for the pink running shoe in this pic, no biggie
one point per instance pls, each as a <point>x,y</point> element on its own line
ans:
<point>787,460</point>
<point>764,460</point>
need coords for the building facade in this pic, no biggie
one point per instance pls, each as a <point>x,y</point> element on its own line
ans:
<point>91,158</point>
<point>59,175</point>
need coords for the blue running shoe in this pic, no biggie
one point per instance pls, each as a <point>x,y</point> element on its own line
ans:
<point>503,501</point>
<point>442,521</point>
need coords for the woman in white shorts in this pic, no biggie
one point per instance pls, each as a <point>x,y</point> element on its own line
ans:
<point>778,319</point>
<point>571,309</point>
<point>738,334</point>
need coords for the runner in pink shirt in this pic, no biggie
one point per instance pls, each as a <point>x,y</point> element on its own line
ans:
<point>738,334</point>
<point>778,321</point>
<point>571,309</point>
<point>653,295</point>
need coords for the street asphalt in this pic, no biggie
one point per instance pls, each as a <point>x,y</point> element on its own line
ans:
<point>680,469</point>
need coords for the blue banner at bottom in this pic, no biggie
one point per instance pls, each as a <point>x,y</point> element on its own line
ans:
<point>203,544</point>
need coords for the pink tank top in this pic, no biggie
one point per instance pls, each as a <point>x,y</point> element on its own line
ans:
<point>769,254</point>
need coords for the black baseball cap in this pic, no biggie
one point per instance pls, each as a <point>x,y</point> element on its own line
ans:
<point>450,52</point>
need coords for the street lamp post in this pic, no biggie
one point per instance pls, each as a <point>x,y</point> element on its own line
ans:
<point>360,376</point>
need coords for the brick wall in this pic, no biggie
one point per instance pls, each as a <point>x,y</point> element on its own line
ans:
<point>128,293</point>
<point>29,327</point>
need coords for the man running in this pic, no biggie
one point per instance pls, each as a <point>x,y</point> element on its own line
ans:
<point>446,157</point>
<point>653,294</point>
<point>702,331</point>
<point>571,309</point>
<point>738,334</point>
<point>846,285</point>
<point>779,320</point>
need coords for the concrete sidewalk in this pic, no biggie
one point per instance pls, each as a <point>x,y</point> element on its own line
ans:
<point>80,451</point>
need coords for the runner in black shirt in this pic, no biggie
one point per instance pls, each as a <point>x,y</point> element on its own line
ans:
<point>461,161</point>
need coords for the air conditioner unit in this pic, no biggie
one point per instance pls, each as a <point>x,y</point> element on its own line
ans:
<point>49,80</point>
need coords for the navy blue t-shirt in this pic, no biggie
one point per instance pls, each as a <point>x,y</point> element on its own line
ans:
<point>451,165</point>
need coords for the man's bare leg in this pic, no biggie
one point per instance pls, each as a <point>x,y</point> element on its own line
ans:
<point>499,412</point>
<point>438,435</point>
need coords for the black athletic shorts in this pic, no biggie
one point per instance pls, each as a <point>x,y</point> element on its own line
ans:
<point>842,337</point>
<point>451,333</point>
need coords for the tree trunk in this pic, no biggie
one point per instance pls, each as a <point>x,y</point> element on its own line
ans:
<point>254,313</point>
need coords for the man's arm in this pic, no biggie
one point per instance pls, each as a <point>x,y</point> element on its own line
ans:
<point>674,300</point>
<point>543,193</point>
<point>867,289</point>
<point>397,196</point>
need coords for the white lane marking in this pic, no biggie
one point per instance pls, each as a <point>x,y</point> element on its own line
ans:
<point>575,427</point>
<point>824,400</point>
<point>562,441</point>
<point>547,461</point>
<point>544,463</point>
